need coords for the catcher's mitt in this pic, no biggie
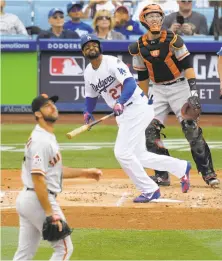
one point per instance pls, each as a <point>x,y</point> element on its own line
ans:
<point>191,110</point>
<point>50,230</point>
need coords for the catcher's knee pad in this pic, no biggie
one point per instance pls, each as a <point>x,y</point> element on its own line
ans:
<point>153,141</point>
<point>199,149</point>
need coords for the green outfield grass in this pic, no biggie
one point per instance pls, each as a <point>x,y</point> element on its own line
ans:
<point>94,244</point>
<point>101,158</point>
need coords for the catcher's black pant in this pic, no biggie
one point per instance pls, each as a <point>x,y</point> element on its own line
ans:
<point>31,218</point>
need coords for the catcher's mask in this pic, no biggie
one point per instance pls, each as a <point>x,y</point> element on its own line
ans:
<point>155,27</point>
<point>90,38</point>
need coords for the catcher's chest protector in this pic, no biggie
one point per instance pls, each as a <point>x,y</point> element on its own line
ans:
<point>160,61</point>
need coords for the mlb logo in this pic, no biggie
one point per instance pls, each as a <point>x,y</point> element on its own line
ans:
<point>66,66</point>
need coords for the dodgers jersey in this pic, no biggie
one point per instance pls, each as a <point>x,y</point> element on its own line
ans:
<point>108,80</point>
<point>42,156</point>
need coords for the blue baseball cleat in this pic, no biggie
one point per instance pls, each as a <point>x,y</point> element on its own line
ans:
<point>185,180</point>
<point>147,197</point>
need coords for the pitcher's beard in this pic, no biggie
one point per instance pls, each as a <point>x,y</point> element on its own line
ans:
<point>50,119</point>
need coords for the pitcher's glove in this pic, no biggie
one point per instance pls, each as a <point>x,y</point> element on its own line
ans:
<point>191,110</point>
<point>50,230</point>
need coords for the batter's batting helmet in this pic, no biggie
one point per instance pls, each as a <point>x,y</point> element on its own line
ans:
<point>90,38</point>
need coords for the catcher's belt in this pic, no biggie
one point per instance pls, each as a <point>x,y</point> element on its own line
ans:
<point>176,81</point>
<point>50,192</point>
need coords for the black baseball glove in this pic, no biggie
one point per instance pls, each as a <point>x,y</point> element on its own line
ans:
<point>50,230</point>
<point>191,110</point>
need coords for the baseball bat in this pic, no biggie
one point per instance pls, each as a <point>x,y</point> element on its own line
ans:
<point>86,127</point>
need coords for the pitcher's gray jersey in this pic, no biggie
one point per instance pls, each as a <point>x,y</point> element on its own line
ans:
<point>42,156</point>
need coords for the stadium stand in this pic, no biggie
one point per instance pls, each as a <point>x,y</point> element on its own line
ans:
<point>35,12</point>
<point>21,8</point>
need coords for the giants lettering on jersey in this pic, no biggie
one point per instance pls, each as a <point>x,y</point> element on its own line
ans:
<point>103,84</point>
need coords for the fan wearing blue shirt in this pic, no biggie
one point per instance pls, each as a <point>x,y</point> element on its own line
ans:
<point>124,24</point>
<point>74,10</point>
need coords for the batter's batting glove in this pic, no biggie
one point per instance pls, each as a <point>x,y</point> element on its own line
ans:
<point>87,117</point>
<point>118,109</point>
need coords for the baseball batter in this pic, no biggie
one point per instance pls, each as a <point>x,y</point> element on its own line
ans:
<point>162,57</point>
<point>109,77</point>
<point>42,178</point>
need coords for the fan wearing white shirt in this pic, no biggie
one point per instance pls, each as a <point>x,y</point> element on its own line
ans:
<point>10,24</point>
<point>90,9</point>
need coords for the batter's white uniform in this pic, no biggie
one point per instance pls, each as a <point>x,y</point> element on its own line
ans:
<point>130,149</point>
<point>41,155</point>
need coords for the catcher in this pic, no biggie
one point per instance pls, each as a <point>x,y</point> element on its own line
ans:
<point>162,57</point>
<point>39,212</point>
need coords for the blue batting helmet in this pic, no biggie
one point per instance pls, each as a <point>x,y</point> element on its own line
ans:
<point>90,38</point>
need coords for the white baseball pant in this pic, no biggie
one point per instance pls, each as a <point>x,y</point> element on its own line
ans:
<point>130,149</point>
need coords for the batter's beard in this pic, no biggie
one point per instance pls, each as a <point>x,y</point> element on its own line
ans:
<point>50,119</point>
<point>94,56</point>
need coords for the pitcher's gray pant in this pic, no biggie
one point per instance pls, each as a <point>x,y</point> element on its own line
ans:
<point>31,218</point>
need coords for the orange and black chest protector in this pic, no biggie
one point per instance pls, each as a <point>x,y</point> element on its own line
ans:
<point>160,61</point>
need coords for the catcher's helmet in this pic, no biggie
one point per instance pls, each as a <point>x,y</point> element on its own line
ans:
<point>152,8</point>
<point>90,38</point>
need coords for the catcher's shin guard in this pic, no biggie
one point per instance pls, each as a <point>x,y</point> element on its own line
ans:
<point>200,152</point>
<point>155,145</point>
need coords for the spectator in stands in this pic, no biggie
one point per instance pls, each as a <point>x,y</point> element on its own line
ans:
<point>56,20</point>
<point>93,6</point>
<point>186,21</point>
<point>220,70</point>
<point>74,10</point>
<point>124,24</point>
<point>130,4</point>
<point>103,24</point>
<point>10,24</point>
<point>219,25</point>
<point>169,6</point>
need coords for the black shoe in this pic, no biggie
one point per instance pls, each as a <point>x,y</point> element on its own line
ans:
<point>211,179</point>
<point>213,182</point>
<point>163,180</point>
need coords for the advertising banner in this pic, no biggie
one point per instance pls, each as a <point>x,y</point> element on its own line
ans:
<point>61,73</point>
<point>19,81</point>
<point>14,45</point>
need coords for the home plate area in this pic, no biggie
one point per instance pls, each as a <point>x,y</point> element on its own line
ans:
<point>109,203</point>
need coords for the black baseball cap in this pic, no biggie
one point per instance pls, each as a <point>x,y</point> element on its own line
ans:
<point>42,99</point>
